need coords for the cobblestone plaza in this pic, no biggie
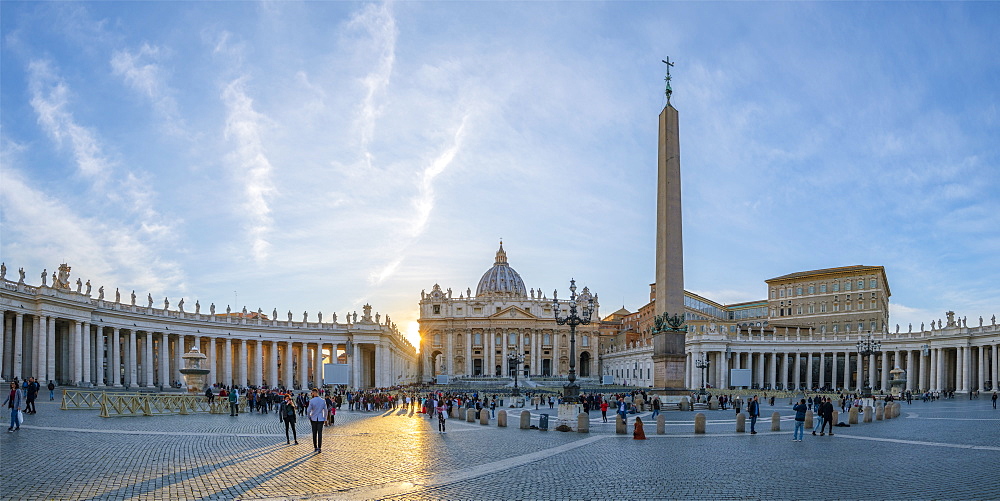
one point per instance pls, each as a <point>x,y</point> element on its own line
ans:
<point>947,449</point>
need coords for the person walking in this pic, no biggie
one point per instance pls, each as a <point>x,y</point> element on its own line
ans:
<point>14,401</point>
<point>604,410</point>
<point>820,420</point>
<point>753,409</point>
<point>317,416</point>
<point>826,410</point>
<point>288,416</point>
<point>994,400</point>
<point>52,390</point>
<point>30,395</point>
<point>800,420</point>
<point>656,406</point>
<point>442,413</point>
<point>234,402</point>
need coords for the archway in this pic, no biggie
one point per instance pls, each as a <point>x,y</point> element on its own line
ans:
<point>585,364</point>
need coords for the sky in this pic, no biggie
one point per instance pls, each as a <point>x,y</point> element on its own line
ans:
<point>318,156</point>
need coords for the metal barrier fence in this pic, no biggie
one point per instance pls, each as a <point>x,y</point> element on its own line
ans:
<point>115,404</point>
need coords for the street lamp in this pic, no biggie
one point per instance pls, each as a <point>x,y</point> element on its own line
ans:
<point>703,365</point>
<point>867,347</point>
<point>515,360</point>
<point>571,391</point>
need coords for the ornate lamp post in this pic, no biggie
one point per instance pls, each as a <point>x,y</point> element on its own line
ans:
<point>514,360</point>
<point>703,365</point>
<point>571,391</point>
<point>867,347</point>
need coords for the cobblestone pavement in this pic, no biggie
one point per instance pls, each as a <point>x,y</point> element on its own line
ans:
<point>937,450</point>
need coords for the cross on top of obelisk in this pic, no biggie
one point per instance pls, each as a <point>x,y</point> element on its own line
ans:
<point>669,91</point>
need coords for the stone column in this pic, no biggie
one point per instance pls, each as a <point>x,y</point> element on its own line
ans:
<point>272,378</point>
<point>860,370</point>
<point>286,362</point>
<point>773,370</point>
<point>379,365</point>
<point>227,362</point>
<point>885,370</point>
<point>4,347</point>
<point>760,370</point>
<point>115,359</point>
<point>871,371</point>
<point>318,365</point>
<point>132,360</point>
<point>304,365</point>
<point>798,369</point>
<point>213,361</point>
<point>784,370</point>
<point>243,376</point>
<point>83,350</point>
<point>982,370</point>
<point>909,369</point>
<point>847,370</point>
<point>76,336</point>
<point>50,352</point>
<point>101,371</point>
<point>966,368</point>
<point>995,374</point>
<point>809,370</point>
<point>178,364</point>
<point>356,366</point>
<point>147,361</point>
<point>932,369</point>
<point>38,346</point>
<point>18,346</point>
<point>833,370</point>
<point>163,359</point>
<point>258,362</point>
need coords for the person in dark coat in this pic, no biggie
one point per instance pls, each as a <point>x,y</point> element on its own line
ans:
<point>288,416</point>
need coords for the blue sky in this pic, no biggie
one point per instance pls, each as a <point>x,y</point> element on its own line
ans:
<point>317,156</point>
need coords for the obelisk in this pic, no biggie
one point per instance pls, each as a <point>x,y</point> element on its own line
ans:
<point>668,348</point>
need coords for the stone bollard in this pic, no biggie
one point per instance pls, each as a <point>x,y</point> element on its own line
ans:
<point>685,404</point>
<point>809,420</point>
<point>525,420</point>
<point>470,415</point>
<point>583,423</point>
<point>619,425</point>
<point>776,421</point>
<point>454,412</point>
<point>834,417</point>
<point>892,410</point>
<point>484,416</point>
<point>880,411</point>
<point>741,423</point>
<point>852,415</point>
<point>699,423</point>
<point>713,405</point>
<point>869,413</point>
<point>502,419</point>
<point>661,425</point>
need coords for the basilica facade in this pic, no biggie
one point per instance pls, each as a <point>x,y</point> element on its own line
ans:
<point>475,335</point>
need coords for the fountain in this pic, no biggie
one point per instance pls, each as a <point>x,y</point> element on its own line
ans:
<point>898,381</point>
<point>195,378</point>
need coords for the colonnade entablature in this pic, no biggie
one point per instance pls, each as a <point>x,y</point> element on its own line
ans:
<point>65,335</point>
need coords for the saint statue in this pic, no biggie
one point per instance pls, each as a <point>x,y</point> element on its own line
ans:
<point>211,308</point>
<point>45,275</point>
<point>149,300</point>
<point>376,317</point>
<point>289,316</point>
<point>88,287</point>
<point>100,292</point>
<point>197,307</point>
<point>244,310</point>
<point>166,304</point>
<point>180,305</point>
<point>305,317</point>
<point>3,271</point>
<point>274,314</point>
<point>355,317</point>
<point>133,297</point>
<point>20,272</point>
<point>229,310</point>
<point>334,317</point>
<point>79,284</point>
<point>320,314</point>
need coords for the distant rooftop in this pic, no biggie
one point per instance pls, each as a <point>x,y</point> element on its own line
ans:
<point>826,271</point>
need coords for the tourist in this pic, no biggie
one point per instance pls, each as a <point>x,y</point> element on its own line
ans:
<point>737,403</point>
<point>317,416</point>
<point>656,406</point>
<point>209,395</point>
<point>604,410</point>
<point>442,413</point>
<point>826,410</point>
<point>52,390</point>
<point>234,402</point>
<point>820,402</point>
<point>14,401</point>
<point>994,400</point>
<point>753,408</point>
<point>287,413</point>
<point>638,433</point>
<point>800,420</point>
<point>31,394</point>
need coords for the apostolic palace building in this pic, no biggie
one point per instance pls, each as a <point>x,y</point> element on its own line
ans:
<point>53,332</point>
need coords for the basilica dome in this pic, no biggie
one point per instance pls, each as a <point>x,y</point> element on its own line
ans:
<point>501,279</point>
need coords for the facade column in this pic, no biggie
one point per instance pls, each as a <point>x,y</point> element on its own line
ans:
<point>242,377</point>
<point>760,369</point>
<point>132,360</point>
<point>287,365</point>
<point>809,370</point>
<point>847,371</point>
<point>860,368</point>
<point>872,375</point>
<point>258,363</point>
<point>100,369</point>
<point>163,359</point>
<point>18,346</point>
<point>833,370</point>
<point>5,349</point>
<point>38,347</point>
<point>50,352</point>
<point>773,370</point>
<point>84,349</point>
<point>304,366</point>
<point>356,366</point>
<point>318,366</point>
<point>933,370</point>
<point>821,359</point>
<point>885,370</point>
<point>797,373</point>
<point>926,368</point>
<point>981,375</point>
<point>909,370</point>
<point>147,360</point>
<point>178,364</point>
<point>272,378</point>
<point>379,365</point>
<point>115,359</point>
<point>213,362</point>
<point>77,342</point>
<point>227,363</point>
<point>995,374</point>
<point>784,370</point>
<point>966,368</point>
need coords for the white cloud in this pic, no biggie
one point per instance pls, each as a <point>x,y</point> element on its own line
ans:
<point>377,23</point>
<point>141,71</point>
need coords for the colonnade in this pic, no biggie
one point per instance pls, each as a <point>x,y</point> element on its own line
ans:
<point>71,339</point>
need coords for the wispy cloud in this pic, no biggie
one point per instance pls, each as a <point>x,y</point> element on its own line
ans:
<point>378,25</point>
<point>142,72</point>
<point>251,167</point>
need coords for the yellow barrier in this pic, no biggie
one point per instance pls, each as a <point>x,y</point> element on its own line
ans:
<point>85,399</point>
<point>115,404</point>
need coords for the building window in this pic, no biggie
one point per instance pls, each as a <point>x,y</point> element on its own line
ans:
<point>798,291</point>
<point>498,309</point>
<point>547,340</point>
<point>772,294</point>
<point>873,295</point>
<point>781,293</point>
<point>477,311</point>
<point>437,339</point>
<point>847,285</point>
<point>586,340</point>
<point>836,306</point>
<point>872,284</point>
<point>861,326</point>
<point>798,310</point>
<point>861,284</point>
<point>437,309</point>
<point>847,307</point>
<point>527,339</point>
<point>822,288</point>
<point>812,289</point>
<point>477,339</point>
<point>874,326</point>
<point>873,305</point>
<point>512,338</point>
<point>497,340</point>
<point>836,287</point>
<point>822,307</point>
<point>812,308</point>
